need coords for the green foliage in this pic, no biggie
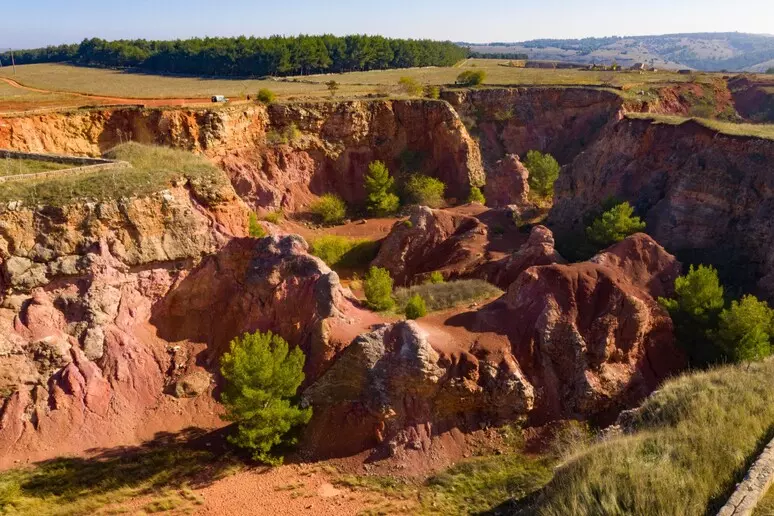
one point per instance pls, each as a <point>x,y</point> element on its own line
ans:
<point>436,277</point>
<point>254,228</point>
<point>415,307</point>
<point>443,295</point>
<point>333,87</point>
<point>476,195</point>
<point>745,330</point>
<point>378,289</point>
<point>410,86</point>
<point>380,199</point>
<point>770,70</point>
<point>614,225</point>
<point>694,309</point>
<point>341,252</point>
<point>543,173</point>
<point>471,78</point>
<point>256,57</point>
<point>265,95</point>
<point>433,92</point>
<point>275,217</point>
<point>261,378</point>
<point>288,135</point>
<point>425,191</point>
<point>329,209</point>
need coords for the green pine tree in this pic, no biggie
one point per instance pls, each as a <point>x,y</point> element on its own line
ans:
<point>261,378</point>
<point>614,225</point>
<point>380,199</point>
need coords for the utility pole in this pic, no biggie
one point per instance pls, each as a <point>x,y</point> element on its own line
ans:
<point>13,63</point>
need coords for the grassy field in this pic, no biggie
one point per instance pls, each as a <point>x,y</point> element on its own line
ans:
<point>96,81</point>
<point>15,99</point>
<point>692,441</point>
<point>766,506</point>
<point>153,169</point>
<point>12,167</point>
<point>730,128</point>
<point>440,296</point>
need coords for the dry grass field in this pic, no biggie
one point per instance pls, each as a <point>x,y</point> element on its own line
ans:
<point>12,167</point>
<point>15,99</point>
<point>114,83</point>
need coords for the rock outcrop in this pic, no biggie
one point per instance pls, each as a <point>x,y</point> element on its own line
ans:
<point>507,184</point>
<point>590,340</point>
<point>705,196</point>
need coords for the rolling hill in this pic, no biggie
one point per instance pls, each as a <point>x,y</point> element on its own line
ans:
<point>731,51</point>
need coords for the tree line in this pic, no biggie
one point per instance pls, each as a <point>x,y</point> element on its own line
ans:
<point>243,56</point>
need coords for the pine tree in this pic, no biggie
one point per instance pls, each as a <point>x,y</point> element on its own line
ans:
<point>614,225</point>
<point>262,377</point>
<point>380,200</point>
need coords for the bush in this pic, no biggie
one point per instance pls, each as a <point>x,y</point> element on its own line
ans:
<point>614,225</point>
<point>745,330</point>
<point>333,87</point>
<point>694,309</point>
<point>436,277</point>
<point>543,173</point>
<point>410,86</point>
<point>261,376</point>
<point>380,200</point>
<point>329,209</point>
<point>440,296</point>
<point>275,217</point>
<point>378,289</point>
<point>433,92</point>
<point>338,251</point>
<point>476,195</point>
<point>266,96</point>
<point>254,228</point>
<point>471,78</point>
<point>425,190</point>
<point>415,307</point>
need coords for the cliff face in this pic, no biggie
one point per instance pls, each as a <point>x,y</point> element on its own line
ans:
<point>561,121</point>
<point>278,156</point>
<point>705,196</point>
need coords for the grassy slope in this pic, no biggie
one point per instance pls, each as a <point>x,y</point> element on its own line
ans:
<point>153,169</point>
<point>693,440</point>
<point>734,129</point>
<point>440,296</point>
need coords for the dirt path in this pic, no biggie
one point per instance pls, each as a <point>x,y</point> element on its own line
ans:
<point>112,100</point>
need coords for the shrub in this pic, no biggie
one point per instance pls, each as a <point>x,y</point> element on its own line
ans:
<point>266,96</point>
<point>339,251</point>
<point>333,87</point>
<point>273,216</point>
<point>415,307</point>
<point>436,277</point>
<point>329,209</point>
<point>378,289</point>
<point>425,190</point>
<point>476,195</point>
<point>543,173</point>
<point>745,330</point>
<point>770,70</point>
<point>261,376</point>
<point>471,78</point>
<point>433,92</point>
<point>254,228</point>
<point>694,309</point>
<point>614,225</point>
<point>440,296</point>
<point>410,86</point>
<point>380,200</point>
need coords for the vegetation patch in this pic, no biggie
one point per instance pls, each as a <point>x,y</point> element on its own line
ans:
<point>15,167</point>
<point>152,169</point>
<point>72,486</point>
<point>329,209</point>
<point>692,441</point>
<point>340,252</point>
<point>730,128</point>
<point>440,296</point>
<point>425,191</point>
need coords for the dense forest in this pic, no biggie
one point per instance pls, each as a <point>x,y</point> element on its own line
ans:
<point>499,55</point>
<point>243,56</point>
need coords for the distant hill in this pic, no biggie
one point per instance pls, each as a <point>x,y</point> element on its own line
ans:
<point>732,51</point>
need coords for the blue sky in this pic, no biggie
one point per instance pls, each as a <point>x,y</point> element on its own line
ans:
<point>30,23</point>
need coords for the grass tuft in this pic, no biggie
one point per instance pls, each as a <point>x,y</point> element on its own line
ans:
<point>342,252</point>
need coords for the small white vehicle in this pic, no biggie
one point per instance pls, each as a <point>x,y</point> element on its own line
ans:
<point>219,98</point>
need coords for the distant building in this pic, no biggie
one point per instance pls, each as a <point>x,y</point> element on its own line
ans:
<point>638,67</point>
<point>685,72</point>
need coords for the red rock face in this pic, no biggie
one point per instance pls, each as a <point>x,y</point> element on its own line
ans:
<point>705,196</point>
<point>506,184</point>
<point>590,340</point>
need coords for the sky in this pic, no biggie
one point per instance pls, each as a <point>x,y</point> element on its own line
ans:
<point>34,23</point>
